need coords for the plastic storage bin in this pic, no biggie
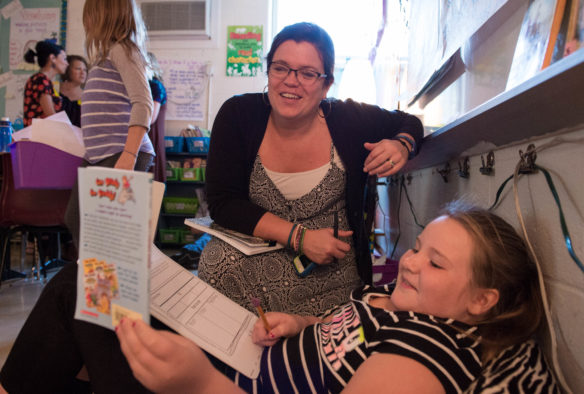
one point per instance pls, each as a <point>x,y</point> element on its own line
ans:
<point>174,144</point>
<point>180,205</point>
<point>169,235</point>
<point>186,237</point>
<point>172,174</point>
<point>190,174</point>
<point>197,144</point>
<point>39,166</point>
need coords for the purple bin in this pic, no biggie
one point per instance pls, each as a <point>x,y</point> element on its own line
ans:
<point>40,166</point>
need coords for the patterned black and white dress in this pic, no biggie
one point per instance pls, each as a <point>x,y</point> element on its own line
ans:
<point>271,276</point>
<point>322,358</point>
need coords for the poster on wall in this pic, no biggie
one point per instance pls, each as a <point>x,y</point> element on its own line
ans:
<point>26,28</point>
<point>21,29</point>
<point>244,51</point>
<point>186,83</point>
<point>536,40</point>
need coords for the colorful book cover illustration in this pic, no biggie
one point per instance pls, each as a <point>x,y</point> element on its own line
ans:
<point>114,246</point>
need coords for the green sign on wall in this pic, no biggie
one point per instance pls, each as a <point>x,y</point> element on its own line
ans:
<point>244,50</point>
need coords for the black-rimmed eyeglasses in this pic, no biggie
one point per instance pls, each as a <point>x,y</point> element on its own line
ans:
<point>305,76</point>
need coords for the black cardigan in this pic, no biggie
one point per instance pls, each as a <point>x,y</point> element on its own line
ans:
<point>238,131</point>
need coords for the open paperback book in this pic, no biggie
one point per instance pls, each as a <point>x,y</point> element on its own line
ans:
<point>121,274</point>
<point>114,245</point>
<point>247,244</point>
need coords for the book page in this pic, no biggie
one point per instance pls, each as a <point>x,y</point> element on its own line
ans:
<point>200,313</point>
<point>114,245</point>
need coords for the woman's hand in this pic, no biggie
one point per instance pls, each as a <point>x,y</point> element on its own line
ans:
<point>322,247</point>
<point>168,363</point>
<point>282,325</point>
<point>386,157</point>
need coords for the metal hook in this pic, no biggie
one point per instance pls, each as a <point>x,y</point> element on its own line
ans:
<point>463,168</point>
<point>487,168</point>
<point>527,163</point>
<point>444,172</point>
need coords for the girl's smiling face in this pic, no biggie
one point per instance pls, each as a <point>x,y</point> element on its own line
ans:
<point>435,277</point>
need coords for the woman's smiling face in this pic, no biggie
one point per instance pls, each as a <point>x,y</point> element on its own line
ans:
<point>289,98</point>
<point>435,277</point>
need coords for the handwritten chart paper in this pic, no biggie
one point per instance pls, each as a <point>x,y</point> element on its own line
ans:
<point>29,26</point>
<point>186,84</point>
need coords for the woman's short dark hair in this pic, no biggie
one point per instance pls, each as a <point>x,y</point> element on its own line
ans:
<point>43,50</point>
<point>70,59</point>
<point>311,33</point>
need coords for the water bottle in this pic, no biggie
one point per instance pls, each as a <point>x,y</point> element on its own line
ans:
<point>5,134</point>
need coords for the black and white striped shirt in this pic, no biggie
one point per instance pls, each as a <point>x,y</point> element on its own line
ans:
<point>324,357</point>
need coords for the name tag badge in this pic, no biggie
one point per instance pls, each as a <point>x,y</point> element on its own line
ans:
<point>354,339</point>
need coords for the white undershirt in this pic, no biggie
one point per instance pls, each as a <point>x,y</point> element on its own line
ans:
<point>294,185</point>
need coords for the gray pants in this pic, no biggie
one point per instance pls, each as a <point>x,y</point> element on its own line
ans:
<point>143,163</point>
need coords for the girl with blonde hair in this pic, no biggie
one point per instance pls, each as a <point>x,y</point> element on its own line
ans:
<point>116,103</point>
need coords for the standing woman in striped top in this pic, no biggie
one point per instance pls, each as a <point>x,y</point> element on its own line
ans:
<point>116,102</point>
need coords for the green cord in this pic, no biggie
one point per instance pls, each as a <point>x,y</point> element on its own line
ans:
<point>567,238</point>
<point>499,192</point>
<point>566,233</point>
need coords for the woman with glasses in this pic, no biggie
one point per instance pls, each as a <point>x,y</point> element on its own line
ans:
<point>291,165</point>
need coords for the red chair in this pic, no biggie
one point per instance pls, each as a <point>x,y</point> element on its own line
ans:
<point>35,211</point>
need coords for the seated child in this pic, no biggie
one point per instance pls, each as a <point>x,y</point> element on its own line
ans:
<point>466,291</point>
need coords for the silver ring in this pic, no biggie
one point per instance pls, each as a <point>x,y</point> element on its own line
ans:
<point>391,163</point>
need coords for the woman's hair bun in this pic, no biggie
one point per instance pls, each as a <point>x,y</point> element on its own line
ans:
<point>29,56</point>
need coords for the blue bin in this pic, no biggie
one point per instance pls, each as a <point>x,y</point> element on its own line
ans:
<point>174,144</point>
<point>198,144</point>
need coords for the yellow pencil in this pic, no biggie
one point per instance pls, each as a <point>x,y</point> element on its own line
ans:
<point>256,303</point>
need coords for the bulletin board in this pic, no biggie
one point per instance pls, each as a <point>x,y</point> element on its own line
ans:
<point>22,24</point>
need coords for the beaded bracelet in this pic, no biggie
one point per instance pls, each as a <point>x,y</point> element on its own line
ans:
<point>290,236</point>
<point>300,252</point>
<point>297,237</point>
